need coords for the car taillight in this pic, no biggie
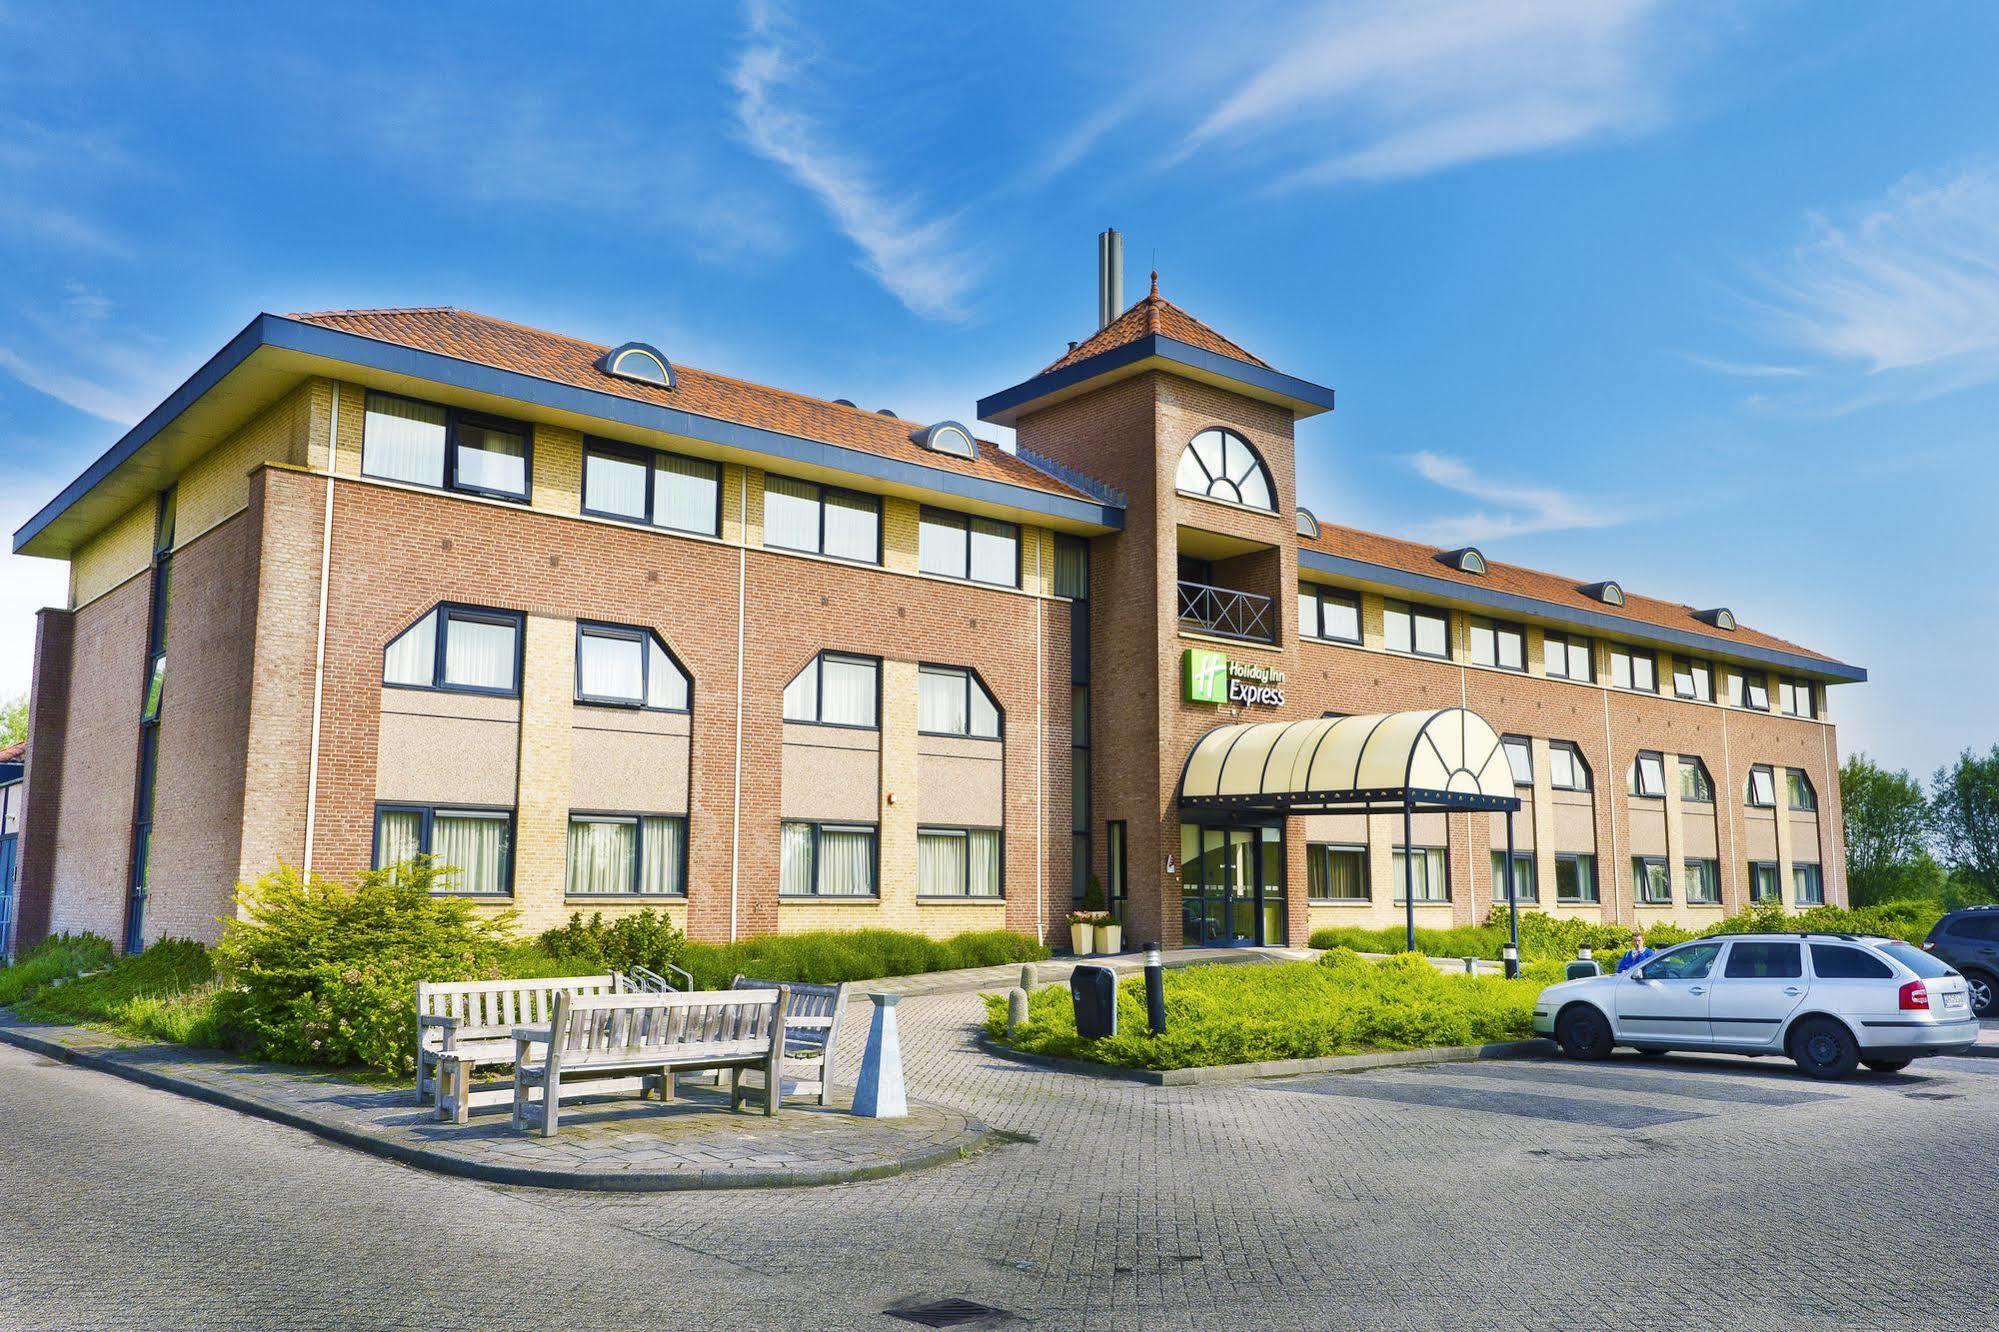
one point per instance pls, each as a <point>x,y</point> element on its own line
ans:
<point>1915,996</point>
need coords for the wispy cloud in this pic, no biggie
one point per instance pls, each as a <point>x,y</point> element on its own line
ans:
<point>42,168</point>
<point>77,362</point>
<point>1379,89</point>
<point>1903,293</point>
<point>918,258</point>
<point>1745,369</point>
<point>1510,508</point>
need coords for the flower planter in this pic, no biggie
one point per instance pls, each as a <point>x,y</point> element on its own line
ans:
<point>1110,938</point>
<point>1081,935</point>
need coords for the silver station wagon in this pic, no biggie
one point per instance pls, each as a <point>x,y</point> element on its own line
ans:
<point>1828,1001</point>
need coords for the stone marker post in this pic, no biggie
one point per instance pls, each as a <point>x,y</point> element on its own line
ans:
<point>878,1093</point>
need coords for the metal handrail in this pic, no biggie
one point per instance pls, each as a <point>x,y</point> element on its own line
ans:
<point>649,981</point>
<point>1226,611</point>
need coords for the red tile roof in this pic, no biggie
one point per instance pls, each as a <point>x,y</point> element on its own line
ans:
<point>1564,593</point>
<point>15,753</point>
<point>564,360</point>
<point>1153,314</point>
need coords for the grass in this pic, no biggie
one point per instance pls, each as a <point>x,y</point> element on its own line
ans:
<point>1243,1013</point>
<point>56,958</point>
<point>166,993</point>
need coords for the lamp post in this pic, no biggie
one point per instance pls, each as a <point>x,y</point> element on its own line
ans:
<point>1408,875</point>
<point>1512,906</point>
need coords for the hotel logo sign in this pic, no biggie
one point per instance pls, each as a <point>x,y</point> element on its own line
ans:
<point>1210,677</point>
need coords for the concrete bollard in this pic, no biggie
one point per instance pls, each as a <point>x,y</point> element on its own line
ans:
<point>1029,978</point>
<point>878,1091</point>
<point>1016,1010</point>
<point>1471,966</point>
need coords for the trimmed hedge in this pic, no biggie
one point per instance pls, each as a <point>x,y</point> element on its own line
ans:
<point>1243,1012</point>
<point>826,957</point>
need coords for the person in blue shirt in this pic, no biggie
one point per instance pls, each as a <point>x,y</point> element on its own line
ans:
<point>1638,954</point>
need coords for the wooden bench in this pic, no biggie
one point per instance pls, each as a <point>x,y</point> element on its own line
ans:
<point>650,1034</point>
<point>811,1033</point>
<point>463,1024</point>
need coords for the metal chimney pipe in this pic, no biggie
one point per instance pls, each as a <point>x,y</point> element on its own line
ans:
<point>1110,276</point>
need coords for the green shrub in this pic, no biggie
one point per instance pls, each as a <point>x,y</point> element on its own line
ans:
<point>826,957</point>
<point>1240,1013</point>
<point>58,957</point>
<point>322,973</point>
<point>644,939</point>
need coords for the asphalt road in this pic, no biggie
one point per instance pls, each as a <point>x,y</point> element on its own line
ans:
<point>1714,1193</point>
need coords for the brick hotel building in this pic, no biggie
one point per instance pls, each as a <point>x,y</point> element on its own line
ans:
<point>605,631</point>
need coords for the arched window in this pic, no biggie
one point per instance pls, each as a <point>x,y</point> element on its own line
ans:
<point>638,361</point>
<point>1221,465</point>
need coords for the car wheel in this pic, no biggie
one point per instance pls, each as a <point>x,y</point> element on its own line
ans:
<point>1583,1032</point>
<point>1824,1049</point>
<point>1982,988</point>
<point>1886,1065</point>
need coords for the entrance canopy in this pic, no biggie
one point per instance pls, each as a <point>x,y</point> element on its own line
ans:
<point>1395,761</point>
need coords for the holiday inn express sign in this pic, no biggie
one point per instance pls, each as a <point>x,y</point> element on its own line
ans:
<point>1208,676</point>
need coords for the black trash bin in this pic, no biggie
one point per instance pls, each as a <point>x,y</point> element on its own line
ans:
<point>1093,991</point>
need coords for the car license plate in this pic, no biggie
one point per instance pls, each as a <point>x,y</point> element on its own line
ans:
<point>1953,1001</point>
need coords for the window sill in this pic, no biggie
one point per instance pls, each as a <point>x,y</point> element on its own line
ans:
<point>960,899</point>
<point>625,897</point>
<point>1348,902</point>
<point>1576,902</point>
<point>1403,902</point>
<point>831,899</point>
<point>476,897</point>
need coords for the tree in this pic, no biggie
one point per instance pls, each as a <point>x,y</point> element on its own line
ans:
<point>13,720</point>
<point>1964,817</point>
<point>1887,820</point>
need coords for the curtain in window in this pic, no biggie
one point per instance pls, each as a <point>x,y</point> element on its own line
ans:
<point>791,513</point>
<point>940,864</point>
<point>801,696</point>
<point>1430,882</point>
<point>403,441</point>
<point>479,653</point>
<point>940,702</point>
<point>412,657</point>
<point>846,862</point>
<point>614,485</point>
<point>794,875</point>
<point>1072,568</point>
<point>475,845</point>
<point>610,666</point>
<point>985,713</point>
<point>398,837</point>
<point>663,856</point>
<point>685,499</point>
<point>848,691</point>
<point>666,684</point>
<point>853,527</point>
<point>600,856</point>
<point>1430,635</point>
<point>995,552</point>
<point>982,855</point>
<point>942,546</point>
<point>492,459</point>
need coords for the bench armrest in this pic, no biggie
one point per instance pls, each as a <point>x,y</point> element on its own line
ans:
<point>531,1035</point>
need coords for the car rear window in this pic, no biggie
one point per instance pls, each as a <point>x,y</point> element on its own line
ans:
<point>1834,962</point>
<point>1750,961</point>
<point>1916,960</point>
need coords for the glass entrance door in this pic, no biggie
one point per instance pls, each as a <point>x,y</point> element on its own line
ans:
<point>1232,885</point>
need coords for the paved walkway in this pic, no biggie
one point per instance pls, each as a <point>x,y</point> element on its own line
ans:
<point>617,1143</point>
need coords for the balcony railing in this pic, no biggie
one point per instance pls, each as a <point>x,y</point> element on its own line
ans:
<point>1225,611</point>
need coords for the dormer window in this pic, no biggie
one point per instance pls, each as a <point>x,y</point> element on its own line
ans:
<point>1610,594</point>
<point>1308,524</point>
<point>639,363</point>
<point>1720,617</point>
<point>1220,464</point>
<point>947,437</point>
<point>1465,560</point>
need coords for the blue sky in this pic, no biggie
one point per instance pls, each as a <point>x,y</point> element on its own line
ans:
<point>1703,298</point>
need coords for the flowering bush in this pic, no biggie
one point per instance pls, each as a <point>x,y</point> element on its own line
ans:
<point>322,973</point>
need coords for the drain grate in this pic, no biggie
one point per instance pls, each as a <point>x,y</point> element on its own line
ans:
<point>947,1313</point>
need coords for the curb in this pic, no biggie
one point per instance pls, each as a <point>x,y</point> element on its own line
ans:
<point>592,1181</point>
<point>1274,1068</point>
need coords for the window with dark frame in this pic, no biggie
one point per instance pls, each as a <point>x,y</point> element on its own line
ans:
<point>1695,783</point>
<point>1797,698</point>
<point>1652,881</point>
<point>1762,793</point>
<point>1798,787</point>
<point>1079,790</point>
<point>1498,644</point>
<point>666,490</point>
<point>828,860</point>
<point>1327,614</point>
<point>1575,878</point>
<point>1524,887</point>
<point>976,550</point>
<point>1703,882</point>
<point>952,700</point>
<point>1763,881</point>
<point>1567,770</point>
<point>1567,656</point>
<point>443,448</point>
<point>1336,873</point>
<point>1520,758</point>
<point>959,863</point>
<point>1634,668</point>
<point>821,520</point>
<point>1693,679</point>
<point>474,844</point>
<point>1807,885</point>
<point>836,689</point>
<point>461,649</point>
<point>1648,775</point>
<point>1418,630</point>
<point>1072,567</point>
<point>1220,464</point>
<point>626,855</point>
<point>1433,875</point>
<point>1114,861</point>
<point>623,665</point>
<point>1746,690</point>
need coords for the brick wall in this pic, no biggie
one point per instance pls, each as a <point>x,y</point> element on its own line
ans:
<point>42,787</point>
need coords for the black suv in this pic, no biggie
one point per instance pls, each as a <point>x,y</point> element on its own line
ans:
<point>1969,941</point>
